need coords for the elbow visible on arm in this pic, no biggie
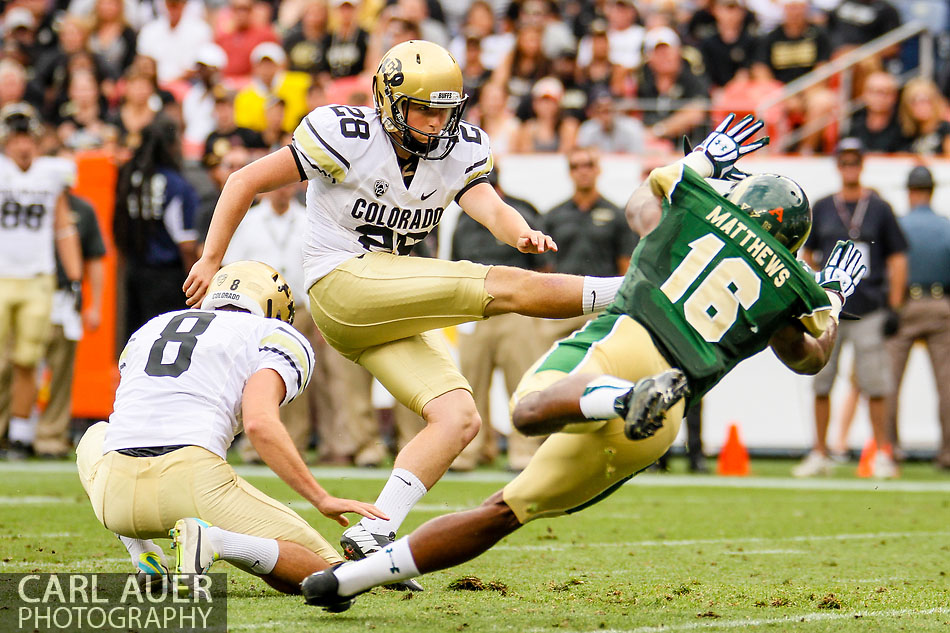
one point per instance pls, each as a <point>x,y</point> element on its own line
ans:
<point>526,416</point>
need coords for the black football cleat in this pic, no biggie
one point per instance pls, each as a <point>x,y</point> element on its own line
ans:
<point>649,400</point>
<point>358,543</point>
<point>320,590</point>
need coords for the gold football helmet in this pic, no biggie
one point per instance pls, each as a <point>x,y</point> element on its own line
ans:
<point>422,73</point>
<point>252,286</point>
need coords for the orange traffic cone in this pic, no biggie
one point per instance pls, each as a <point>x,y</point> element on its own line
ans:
<point>733,457</point>
<point>866,464</point>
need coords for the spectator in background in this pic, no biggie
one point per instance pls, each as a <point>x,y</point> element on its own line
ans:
<point>227,133</point>
<point>173,41</point>
<point>678,92</point>
<point>417,12</point>
<point>624,33</point>
<point>305,42</point>
<point>82,121</point>
<point>926,314</point>
<point>19,36</point>
<point>13,85</point>
<point>479,24</point>
<point>474,73</point>
<point>139,106</point>
<point>493,115</point>
<point>796,47</point>
<point>548,130</point>
<point>575,98</point>
<point>876,124</point>
<point>68,323</point>
<point>112,40</point>
<point>224,161</point>
<point>346,44</point>
<point>197,107</point>
<point>154,225</point>
<point>921,115</point>
<point>855,22</point>
<point>239,38</point>
<point>555,34</point>
<point>608,130</point>
<point>509,342</point>
<point>52,70</point>
<point>861,215</point>
<point>525,64</point>
<point>729,51</point>
<point>596,70</point>
<point>271,80</point>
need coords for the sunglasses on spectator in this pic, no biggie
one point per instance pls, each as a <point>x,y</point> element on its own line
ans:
<point>586,165</point>
<point>849,163</point>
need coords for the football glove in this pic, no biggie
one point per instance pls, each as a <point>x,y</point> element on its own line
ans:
<point>843,270</point>
<point>724,147</point>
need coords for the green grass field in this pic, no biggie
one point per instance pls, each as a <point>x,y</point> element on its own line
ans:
<point>665,553</point>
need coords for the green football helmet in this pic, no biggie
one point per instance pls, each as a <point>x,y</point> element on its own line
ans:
<point>778,204</point>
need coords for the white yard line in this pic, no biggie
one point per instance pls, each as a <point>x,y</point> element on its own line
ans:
<point>720,541</point>
<point>711,624</point>
<point>500,477</point>
<point>34,500</point>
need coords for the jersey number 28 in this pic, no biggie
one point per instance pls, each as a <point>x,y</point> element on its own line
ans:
<point>712,307</point>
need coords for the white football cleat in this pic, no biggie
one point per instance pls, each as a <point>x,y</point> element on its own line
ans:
<point>194,553</point>
<point>814,464</point>
<point>358,543</point>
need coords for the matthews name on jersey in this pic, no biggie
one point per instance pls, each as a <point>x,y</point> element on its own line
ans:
<point>356,198</point>
<point>712,285</point>
<point>195,363</point>
<point>28,213</point>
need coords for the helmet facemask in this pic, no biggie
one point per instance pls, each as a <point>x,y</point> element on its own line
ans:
<point>418,73</point>
<point>436,146</point>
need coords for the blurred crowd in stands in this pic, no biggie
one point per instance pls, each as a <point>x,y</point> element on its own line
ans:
<point>193,90</point>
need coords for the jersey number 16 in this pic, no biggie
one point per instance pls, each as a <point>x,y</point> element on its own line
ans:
<point>713,306</point>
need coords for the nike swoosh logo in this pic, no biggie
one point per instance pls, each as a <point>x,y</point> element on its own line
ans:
<point>427,195</point>
<point>593,299</point>
<point>198,568</point>
<point>402,480</point>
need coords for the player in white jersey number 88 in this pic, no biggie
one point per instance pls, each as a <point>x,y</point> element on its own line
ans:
<point>378,182</point>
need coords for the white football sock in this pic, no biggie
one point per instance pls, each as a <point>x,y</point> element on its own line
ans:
<point>138,546</point>
<point>22,430</point>
<point>599,292</point>
<point>253,554</point>
<point>392,563</point>
<point>402,491</point>
<point>597,402</point>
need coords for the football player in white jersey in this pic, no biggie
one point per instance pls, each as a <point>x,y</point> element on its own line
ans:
<point>379,181</point>
<point>190,380</point>
<point>34,220</point>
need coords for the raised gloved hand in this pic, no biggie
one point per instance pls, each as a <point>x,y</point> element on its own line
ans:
<point>843,270</point>
<point>724,147</point>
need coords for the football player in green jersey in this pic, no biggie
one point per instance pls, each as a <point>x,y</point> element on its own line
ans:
<point>713,281</point>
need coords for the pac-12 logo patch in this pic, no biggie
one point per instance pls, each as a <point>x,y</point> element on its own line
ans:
<point>380,188</point>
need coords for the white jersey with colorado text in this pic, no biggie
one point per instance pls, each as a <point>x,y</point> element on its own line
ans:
<point>183,375</point>
<point>28,214</point>
<point>356,198</point>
